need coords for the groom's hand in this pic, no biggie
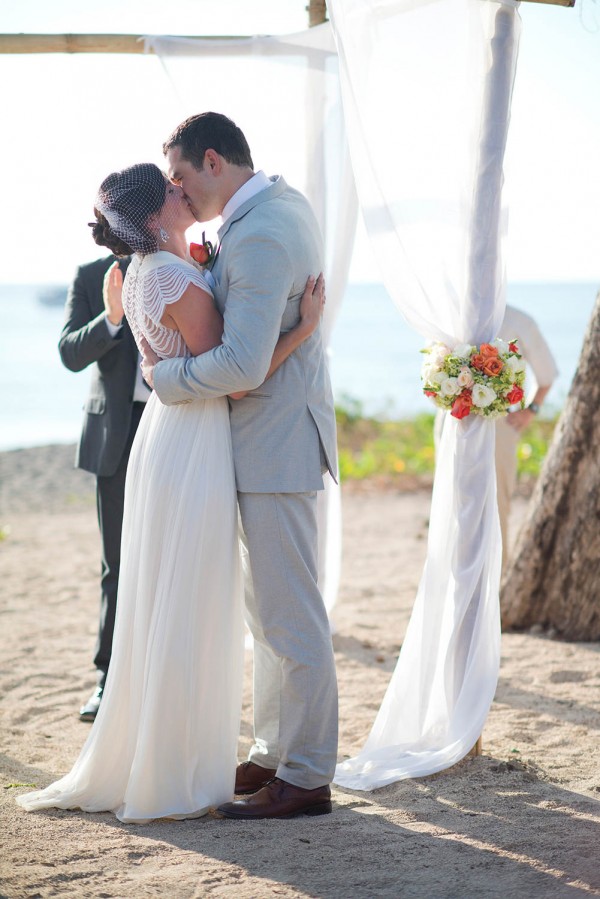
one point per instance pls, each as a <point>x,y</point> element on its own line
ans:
<point>149,360</point>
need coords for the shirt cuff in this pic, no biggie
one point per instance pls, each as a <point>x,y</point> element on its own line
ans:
<point>113,330</point>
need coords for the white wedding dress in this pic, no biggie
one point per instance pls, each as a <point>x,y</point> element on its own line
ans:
<point>165,737</point>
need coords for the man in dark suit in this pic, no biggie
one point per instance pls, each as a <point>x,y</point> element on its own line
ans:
<point>96,333</point>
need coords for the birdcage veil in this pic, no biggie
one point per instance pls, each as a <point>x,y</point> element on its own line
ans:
<point>132,201</point>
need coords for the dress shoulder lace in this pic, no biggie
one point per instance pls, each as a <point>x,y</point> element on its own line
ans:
<point>152,283</point>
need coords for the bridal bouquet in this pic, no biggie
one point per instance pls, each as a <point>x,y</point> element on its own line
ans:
<point>483,380</point>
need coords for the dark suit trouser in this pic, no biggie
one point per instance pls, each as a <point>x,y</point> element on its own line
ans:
<point>110,492</point>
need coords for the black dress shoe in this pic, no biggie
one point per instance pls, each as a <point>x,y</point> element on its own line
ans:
<point>279,799</point>
<point>89,711</point>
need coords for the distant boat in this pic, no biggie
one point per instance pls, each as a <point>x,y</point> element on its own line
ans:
<point>53,296</point>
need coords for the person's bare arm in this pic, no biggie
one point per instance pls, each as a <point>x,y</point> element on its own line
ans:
<point>195,316</point>
<point>522,418</point>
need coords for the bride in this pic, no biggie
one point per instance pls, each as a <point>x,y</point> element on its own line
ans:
<point>165,737</point>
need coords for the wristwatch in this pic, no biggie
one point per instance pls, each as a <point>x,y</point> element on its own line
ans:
<point>534,407</point>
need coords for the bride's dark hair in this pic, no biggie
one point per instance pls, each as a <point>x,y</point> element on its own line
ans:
<point>126,200</point>
<point>104,237</point>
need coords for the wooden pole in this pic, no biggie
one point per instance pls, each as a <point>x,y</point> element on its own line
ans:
<point>477,748</point>
<point>317,12</point>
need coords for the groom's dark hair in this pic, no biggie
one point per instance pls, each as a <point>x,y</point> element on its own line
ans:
<point>210,131</point>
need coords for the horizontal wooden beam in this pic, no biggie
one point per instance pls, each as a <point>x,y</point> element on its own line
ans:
<point>87,43</point>
<point>554,2</point>
<point>120,43</point>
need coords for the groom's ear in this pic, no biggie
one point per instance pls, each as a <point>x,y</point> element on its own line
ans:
<point>213,163</point>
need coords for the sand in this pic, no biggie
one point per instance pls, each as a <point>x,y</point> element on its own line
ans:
<point>523,819</point>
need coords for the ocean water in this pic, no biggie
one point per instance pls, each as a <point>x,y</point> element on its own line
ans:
<point>375,357</point>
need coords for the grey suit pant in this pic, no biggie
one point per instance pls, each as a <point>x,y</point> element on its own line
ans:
<point>295,688</point>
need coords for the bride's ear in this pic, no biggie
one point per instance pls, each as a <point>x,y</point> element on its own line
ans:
<point>153,221</point>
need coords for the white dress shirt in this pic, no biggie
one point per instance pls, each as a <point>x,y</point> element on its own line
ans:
<point>253,186</point>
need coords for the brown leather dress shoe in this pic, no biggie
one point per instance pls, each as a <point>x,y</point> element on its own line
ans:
<point>279,799</point>
<point>250,777</point>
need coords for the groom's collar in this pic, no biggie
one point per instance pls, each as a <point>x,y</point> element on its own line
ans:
<point>274,186</point>
<point>251,187</point>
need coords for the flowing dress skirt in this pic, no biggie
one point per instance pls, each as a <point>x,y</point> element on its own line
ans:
<point>165,737</point>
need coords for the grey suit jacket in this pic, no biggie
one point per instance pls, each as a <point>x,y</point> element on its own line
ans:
<point>85,340</point>
<point>283,431</point>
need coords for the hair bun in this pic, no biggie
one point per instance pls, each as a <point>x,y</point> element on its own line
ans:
<point>105,237</point>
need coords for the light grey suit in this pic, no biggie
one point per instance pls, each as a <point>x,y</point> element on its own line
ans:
<point>283,440</point>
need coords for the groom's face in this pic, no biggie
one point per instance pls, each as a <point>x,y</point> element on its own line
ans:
<point>199,186</point>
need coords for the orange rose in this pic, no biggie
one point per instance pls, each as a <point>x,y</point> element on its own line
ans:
<point>477,361</point>
<point>492,366</point>
<point>461,407</point>
<point>486,349</point>
<point>515,395</point>
<point>200,252</point>
<point>204,253</point>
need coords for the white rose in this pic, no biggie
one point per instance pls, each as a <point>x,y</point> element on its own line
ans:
<point>438,353</point>
<point>515,365</point>
<point>450,387</point>
<point>483,396</point>
<point>465,378</point>
<point>439,377</point>
<point>462,351</point>
<point>428,371</point>
<point>501,345</point>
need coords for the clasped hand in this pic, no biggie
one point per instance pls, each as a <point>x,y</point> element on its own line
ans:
<point>149,360</point>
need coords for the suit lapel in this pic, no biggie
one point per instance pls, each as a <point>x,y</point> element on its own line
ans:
<point>276,188</point>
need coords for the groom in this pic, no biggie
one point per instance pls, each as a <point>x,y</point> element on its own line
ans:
<point>284,440</point>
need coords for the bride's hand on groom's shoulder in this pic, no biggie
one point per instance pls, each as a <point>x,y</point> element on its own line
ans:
<point>312,304</point>
<point>149,360</point>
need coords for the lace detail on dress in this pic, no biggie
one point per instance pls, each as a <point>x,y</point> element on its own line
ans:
<point>151,283</point>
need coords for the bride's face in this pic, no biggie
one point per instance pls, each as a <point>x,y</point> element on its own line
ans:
<point>176,211</point>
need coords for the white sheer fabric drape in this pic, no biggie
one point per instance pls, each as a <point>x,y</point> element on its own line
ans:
<point>426,86</point>
<point>284,93</point>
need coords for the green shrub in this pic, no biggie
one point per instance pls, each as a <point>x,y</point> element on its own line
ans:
<point>371,446</point>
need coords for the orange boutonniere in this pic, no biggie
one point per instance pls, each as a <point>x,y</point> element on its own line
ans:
<point>203,253</point>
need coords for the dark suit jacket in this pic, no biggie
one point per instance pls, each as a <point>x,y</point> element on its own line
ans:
<point>85,340</point>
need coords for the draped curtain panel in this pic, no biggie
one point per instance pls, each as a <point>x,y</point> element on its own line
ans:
<point>284,93</point>
<point>426,87</point>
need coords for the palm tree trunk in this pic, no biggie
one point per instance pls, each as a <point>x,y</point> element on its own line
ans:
<point>553,577</point>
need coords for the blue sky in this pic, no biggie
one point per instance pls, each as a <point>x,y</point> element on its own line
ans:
<point>69,120</point>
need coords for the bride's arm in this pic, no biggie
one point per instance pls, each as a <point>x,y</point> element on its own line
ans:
<point>311,309</point>
<point>201,325</point>
<point>194,315</point>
